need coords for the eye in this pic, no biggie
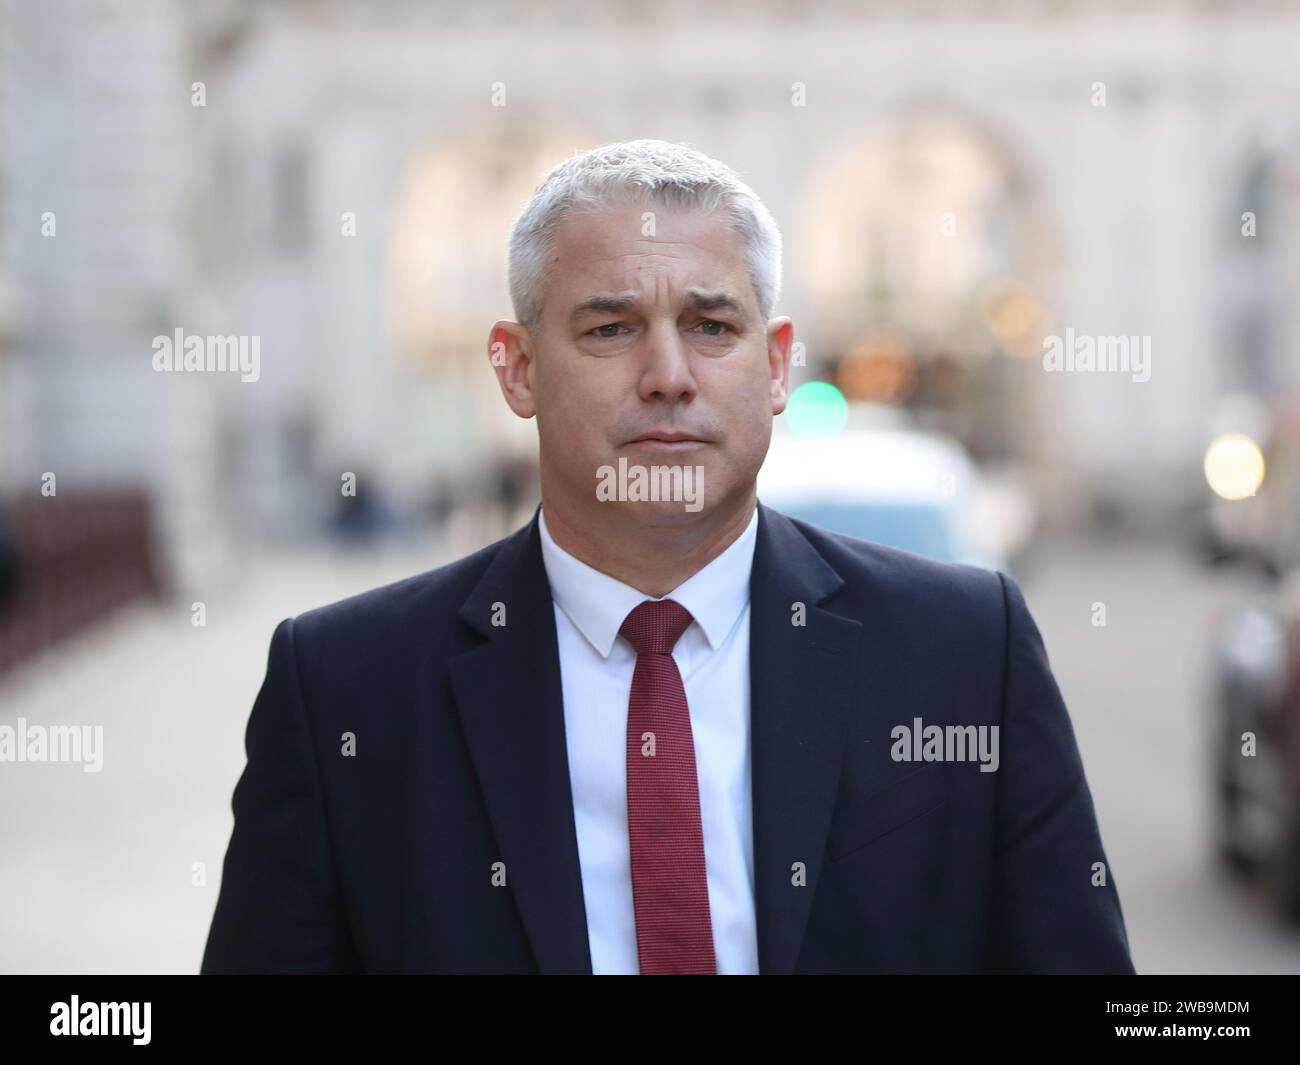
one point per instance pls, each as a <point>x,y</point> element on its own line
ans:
<point>722,327</point>
<point>607,336</point>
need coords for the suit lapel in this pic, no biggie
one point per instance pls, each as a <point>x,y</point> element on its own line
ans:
<point>801,691</point>
<point>511,705</point>
<point>510,699</point>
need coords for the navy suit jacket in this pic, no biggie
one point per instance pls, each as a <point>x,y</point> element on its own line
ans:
<point>385,858</point>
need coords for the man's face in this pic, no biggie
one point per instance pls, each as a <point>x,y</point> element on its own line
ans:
<point>645,337</point>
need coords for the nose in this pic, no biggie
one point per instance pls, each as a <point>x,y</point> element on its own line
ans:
<point>666,374</point>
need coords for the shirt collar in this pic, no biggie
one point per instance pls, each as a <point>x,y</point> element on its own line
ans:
<point>598,604</point>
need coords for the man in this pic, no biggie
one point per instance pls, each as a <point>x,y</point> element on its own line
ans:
<point>657,729</point>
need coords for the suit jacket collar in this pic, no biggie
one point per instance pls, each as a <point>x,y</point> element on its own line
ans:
<point>509,696</point>
<point>597,603</point>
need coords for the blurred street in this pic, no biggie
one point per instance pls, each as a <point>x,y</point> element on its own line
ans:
<point>99,867</point>
<point>1137,692</point>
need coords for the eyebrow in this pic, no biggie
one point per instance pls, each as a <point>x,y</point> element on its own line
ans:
<point>698,299</point>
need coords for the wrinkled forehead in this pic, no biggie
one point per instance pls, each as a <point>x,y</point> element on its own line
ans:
<point>623,258</point>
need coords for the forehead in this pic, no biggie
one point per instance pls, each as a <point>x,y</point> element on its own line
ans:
<point>606,250</point>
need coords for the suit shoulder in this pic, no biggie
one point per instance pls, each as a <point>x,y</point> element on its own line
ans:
<point>419,603</point>
<point>890,575</point>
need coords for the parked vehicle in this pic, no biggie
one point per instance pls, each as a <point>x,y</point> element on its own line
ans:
<point>1255,739</point>
<point>897,486</point>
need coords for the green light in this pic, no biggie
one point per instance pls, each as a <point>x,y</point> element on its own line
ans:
<point>817,407</point>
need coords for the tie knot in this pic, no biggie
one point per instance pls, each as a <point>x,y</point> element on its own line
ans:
<point>655,626</point>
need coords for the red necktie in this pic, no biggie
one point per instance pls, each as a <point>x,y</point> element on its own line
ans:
<point>670,888</point>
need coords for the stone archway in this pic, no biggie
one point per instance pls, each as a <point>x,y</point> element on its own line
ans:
<point>445,259</point>
<point>927,260</point>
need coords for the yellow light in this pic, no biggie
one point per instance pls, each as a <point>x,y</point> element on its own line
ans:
<point>1234,466</point>
<point>1015,316</point>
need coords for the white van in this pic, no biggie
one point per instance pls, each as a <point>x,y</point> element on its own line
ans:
<point>896,486</point>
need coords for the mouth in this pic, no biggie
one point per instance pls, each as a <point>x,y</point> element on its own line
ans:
<point>668,439</point>
<point>667,442</point>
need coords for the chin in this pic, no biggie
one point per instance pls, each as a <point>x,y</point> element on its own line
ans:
<point>664,513</point>
<point>656,493</point>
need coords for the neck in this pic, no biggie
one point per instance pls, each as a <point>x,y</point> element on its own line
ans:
<point>653,559</point>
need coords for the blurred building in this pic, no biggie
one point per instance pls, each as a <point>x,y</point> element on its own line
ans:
<point>337,179</point>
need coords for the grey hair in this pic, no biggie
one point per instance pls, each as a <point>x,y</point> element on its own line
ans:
<point>656,172</point>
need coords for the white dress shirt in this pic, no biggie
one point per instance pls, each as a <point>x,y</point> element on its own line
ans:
<point>596,666</point>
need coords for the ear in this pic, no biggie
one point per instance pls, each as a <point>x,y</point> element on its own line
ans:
<point>510,352</point>
<point>780,337</point>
